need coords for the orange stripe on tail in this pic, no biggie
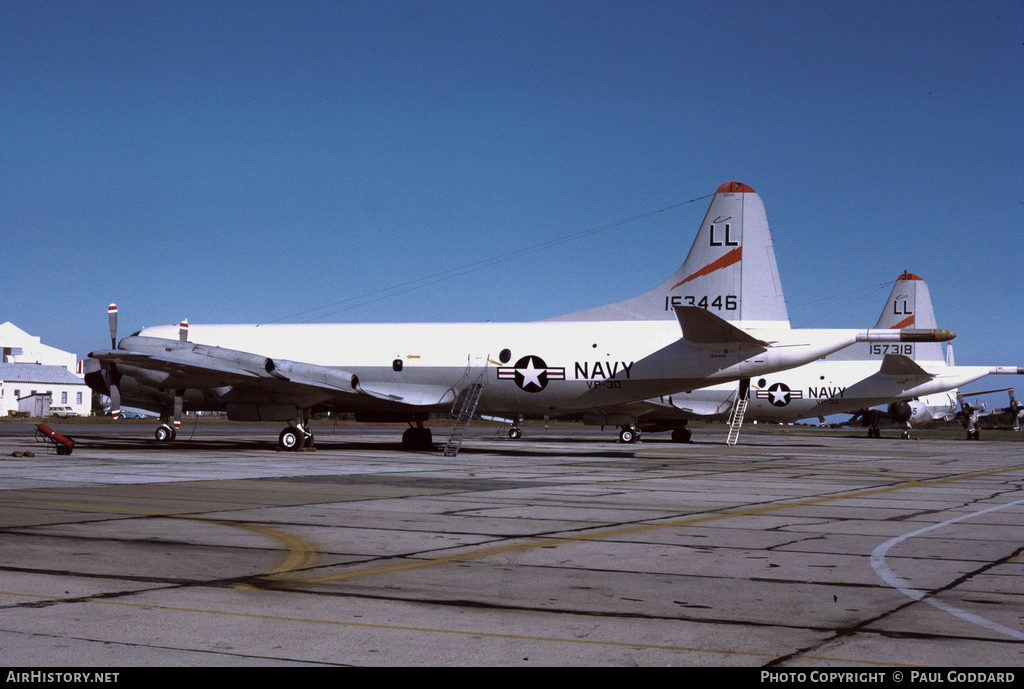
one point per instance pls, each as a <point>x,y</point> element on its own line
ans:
<point>725,261</point>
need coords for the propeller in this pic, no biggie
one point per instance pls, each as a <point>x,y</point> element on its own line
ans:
<point>1016,411</point>
<point>179,406</point>
<point>968,414</point>
<point>112,321</point>
<point>900,411</point>
<point>179,395</point>
<point>115,375</point>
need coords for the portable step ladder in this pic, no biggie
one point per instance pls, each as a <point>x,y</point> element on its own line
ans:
<point>739,408</point>
<point>469,401</point>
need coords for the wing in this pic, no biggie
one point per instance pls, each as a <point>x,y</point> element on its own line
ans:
<point>177,365</point>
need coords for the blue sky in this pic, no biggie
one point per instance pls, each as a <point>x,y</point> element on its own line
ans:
<point>304,161</point>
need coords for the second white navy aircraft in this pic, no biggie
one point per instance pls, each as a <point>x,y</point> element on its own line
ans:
<point>917,381</point>
<point>720,317</point>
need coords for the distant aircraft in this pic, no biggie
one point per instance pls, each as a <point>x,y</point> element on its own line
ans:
<point>719,317</point>
<point>968,414</point>
<point>914,379</point>
<point>951,405</point>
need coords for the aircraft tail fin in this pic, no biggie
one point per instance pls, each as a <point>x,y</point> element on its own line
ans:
<point>910,306</point>
<point>730,270</point>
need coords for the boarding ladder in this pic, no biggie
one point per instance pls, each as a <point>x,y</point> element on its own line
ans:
<point>470,399</point>
<point>739,408</point>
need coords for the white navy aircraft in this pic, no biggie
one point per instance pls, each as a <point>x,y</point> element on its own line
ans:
<point>720,317</point>
<point>918,381</point>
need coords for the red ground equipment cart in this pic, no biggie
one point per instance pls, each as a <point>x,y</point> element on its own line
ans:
<point>61,444</point>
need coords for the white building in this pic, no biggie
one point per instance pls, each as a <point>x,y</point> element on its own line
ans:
<point>27,367</point>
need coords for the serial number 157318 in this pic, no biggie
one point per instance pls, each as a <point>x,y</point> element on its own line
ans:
<point>905,349</point>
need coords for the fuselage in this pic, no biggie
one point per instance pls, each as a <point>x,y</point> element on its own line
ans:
<point>537,367</point>
<point>826,387</point>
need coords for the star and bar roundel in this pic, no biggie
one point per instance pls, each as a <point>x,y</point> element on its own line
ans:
<point>531,373</point>
<point>779,394</point>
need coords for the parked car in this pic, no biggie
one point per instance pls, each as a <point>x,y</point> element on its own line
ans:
<point>126,414</point>
<point>62,412</point>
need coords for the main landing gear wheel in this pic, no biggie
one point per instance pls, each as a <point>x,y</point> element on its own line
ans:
<point>515,433</point>
<point>874,433</point>
<point>628,434</point>
<point>974,435</point>
<point>165,433</point>
<point>418,438</point>
<point>681,435</point>
<point>293,439</point>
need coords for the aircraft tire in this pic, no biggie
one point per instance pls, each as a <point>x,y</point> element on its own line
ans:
<point>164,433</point>
<point>515,433</point>
<point>681,435</point>
<point>628,435</point>
<point>418,439</point>
<point>291,439</point>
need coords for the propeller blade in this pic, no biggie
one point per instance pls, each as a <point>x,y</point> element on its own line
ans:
<point>115,394</point>
<point>179,405</point>
<point>112,320</point>
<point>975,393</point>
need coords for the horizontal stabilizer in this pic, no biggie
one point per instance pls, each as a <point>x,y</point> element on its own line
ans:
<point>900,365</point>
<point>701,326</point>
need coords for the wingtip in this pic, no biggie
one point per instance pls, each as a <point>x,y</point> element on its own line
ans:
<point>735,188</point>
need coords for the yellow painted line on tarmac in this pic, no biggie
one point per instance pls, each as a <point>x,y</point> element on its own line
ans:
<point>438,630</point>
<point>301,553</point>
<point>643,528</point>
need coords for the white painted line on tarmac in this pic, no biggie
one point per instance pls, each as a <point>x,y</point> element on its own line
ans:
<point>883,571</point>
